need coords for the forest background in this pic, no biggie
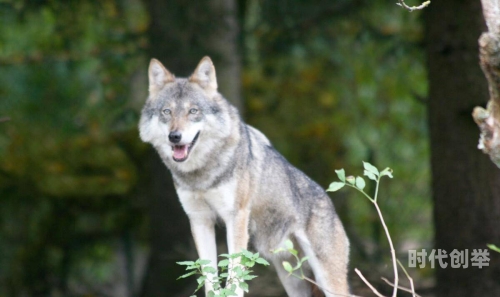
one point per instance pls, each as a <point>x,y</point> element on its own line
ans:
<point>86,209</point>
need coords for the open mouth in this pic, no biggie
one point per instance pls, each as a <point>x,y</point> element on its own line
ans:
<point>181,152</point>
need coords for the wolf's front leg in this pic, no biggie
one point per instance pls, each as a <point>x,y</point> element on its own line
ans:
<point>204,238</point>
<point>237,240</point>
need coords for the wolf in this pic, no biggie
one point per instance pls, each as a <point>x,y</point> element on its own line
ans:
<point>225,169</point>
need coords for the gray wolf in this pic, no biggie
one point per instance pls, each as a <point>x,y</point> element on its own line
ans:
<point>223,168</point>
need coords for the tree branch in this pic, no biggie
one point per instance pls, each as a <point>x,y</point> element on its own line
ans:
<point>402,288</point>
<point>368,283</point>
<point>4,119</point>
<point>412,8</point>
<point>488,119</point>
<point>409,278</point>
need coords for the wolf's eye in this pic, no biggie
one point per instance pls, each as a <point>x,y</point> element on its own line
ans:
<point>193,111</point>
<point>166,111</point>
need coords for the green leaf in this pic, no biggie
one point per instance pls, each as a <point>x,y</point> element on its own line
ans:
<point>238,271</point>
<point>387,171</point>
<point>203,262</point>
<point>223,263</point>
<point>287,266</point>
<point>244,286</point>
<point>209,269</point>
<point>199,287</point>
<point>235,255</point>
<point>289,244</point>
<point>369,167</point>
<point>249,277</point>
<point>216,284</point>
<point>249,263</point>
<point>229,292</point>
<point>335,186</point>
<point>350,179</point>
<point>494,248</point>
<point>341,174</point>
<point>201,279</point>
<point>304,259</point>
<point>247,254</point>
<point>370,175</point>
<point>262,261</point>
<point>187,274</point>
<point>360,183</point>
<point>186,263</point>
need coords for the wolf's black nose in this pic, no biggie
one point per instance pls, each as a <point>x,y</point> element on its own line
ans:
<point>175,136</point>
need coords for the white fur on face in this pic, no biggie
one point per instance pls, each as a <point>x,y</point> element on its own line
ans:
<point>189,132</point>
<point>152,131</point>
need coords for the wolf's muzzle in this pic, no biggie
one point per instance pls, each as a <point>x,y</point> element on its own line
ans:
<point>181,152</point>
<point>175,136</point>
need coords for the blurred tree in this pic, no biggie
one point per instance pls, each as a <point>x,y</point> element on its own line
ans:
<point>68,175</point>
<point>465,184</point>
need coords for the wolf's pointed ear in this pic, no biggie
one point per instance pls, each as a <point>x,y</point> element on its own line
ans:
<point>204,74</point>
<point>158,76</point>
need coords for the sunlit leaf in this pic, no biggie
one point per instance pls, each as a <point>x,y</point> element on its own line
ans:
<point>335,186</point>
<point>341,174</point>
<point>187,274</point>
<point>287,266</point>
<point>370,168</point>
<point>360,183</point>
<point>386,172</point>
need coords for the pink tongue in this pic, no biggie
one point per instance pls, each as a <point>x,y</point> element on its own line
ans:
<point>180,151</point>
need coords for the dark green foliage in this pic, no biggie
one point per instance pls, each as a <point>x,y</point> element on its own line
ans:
<point>333,83</point>
<point>68,155</point>
<point>329,82</point>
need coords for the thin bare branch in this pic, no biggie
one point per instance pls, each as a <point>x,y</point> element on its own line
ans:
<point>409,278</point>
<point>393,251</point>
<point>4,119</point>
<point>401,287</point>
<point>412,8</point>
<point>368,283</point>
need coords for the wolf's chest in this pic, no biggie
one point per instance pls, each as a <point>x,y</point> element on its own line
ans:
<point>216,202</point>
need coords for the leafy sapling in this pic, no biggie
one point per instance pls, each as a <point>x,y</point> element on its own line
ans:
<point>359,184</point>
<point>234,275</point>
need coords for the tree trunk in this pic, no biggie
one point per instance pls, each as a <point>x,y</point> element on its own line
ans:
<point>180,34</point>
<point>465,184</point>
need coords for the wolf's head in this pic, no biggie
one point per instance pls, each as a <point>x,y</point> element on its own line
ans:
<point>181,112</point>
